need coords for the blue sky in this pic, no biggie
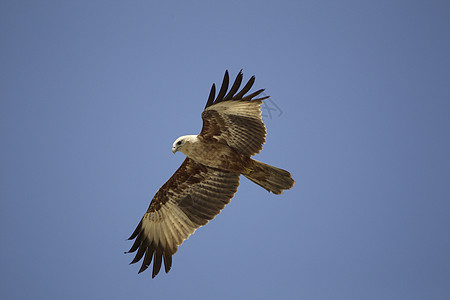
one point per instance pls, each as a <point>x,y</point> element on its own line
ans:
<point>93,94</point>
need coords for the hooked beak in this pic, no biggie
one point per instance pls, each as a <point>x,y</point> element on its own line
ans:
<point>174,150</point>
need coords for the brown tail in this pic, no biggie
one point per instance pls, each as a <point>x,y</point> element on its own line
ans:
<point>273,179</point>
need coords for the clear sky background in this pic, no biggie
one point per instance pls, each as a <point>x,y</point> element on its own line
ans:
<point>93,94</point>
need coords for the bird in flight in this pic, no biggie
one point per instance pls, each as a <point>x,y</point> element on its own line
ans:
<point>232,132</point>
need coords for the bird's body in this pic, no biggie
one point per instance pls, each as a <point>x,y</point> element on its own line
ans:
<point>232,132</point>
<point>214,155</point>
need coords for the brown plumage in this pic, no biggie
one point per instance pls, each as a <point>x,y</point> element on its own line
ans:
<point>232,132</point>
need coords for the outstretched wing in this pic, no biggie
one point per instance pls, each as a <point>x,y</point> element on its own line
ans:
<point>235,119</point>
<point>193,195</point>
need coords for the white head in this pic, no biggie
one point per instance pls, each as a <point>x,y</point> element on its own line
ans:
<point>182,143</point>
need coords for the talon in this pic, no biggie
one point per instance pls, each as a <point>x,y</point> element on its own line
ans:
<point>248,171</point>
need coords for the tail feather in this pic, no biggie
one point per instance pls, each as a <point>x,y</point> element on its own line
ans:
<point>272,179</point>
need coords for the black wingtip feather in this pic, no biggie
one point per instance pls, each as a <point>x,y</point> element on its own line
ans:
<point>249,97</point>
<point>223,88</point>
<point>246,88</point>
<point>136,244</point>
<point>235,87</point>
<point>157,263</point>
<point>167,262</point>
<point>147,260</point>
<point>211,96</point>
<point>136,231</point>
<point>139,255</point>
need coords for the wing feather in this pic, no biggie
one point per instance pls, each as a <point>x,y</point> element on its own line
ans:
<point>136,243</point>
<point>167,261</point>
<point>139,254</point>
<point>249,97</point>
<point>157,262</point>
<point>194,195</point>
<point>147,259</point>
<point>235,87</point>
<point>173,227</point>
<point>246,88</point>
<point>212,94</point>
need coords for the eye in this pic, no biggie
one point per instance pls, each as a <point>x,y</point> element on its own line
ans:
<point>179,143</point>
